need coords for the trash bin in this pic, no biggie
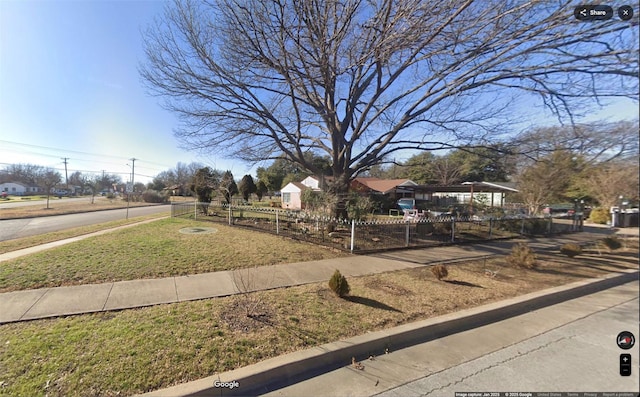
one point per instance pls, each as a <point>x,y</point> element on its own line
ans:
<point>629,219</point>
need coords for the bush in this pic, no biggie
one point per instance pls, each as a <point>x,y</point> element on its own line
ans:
<point>331,227</point>
<point>442,228</point>
<point>522,256</point>
<point>536,226</point>
<point>612,243</point>
<point>600,215</point>
<point>440,271</point>
<point>153,196</point>
<point>338,284</point>
<point>571,249</point>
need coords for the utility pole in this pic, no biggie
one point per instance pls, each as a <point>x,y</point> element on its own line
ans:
<point>133,170</point>
<point>66,176</point>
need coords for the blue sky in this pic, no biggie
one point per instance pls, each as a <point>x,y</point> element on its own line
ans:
<point>69,81</point>
<point>70,87</point>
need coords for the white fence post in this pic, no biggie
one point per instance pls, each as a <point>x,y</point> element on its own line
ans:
<point>195,210</point>
<point>230,214</point>
<point>277,222</point>
<point>353,233</point>
<point>453,230</point>
<point>406,235</point>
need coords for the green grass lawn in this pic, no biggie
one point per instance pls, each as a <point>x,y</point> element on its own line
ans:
<point>26,242</point>
<point>153,250</point>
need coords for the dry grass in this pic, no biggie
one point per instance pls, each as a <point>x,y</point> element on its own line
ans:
<point>133,351</point>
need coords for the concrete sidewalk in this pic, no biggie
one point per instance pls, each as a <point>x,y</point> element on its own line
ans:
<point>62,301</point>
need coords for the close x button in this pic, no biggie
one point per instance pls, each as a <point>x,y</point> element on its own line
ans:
<point>625,364</point>
<point>593,12</point>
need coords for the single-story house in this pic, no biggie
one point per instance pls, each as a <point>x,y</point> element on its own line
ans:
<point>491,193</point>
<point>292,192</point>
<point>18,189</point>
<point>292,195</point>
<point>393,188</point>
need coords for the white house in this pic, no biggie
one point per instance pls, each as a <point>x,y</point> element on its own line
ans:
<point>292,192</point>
<point>292,195</point>
<point>18,189</point>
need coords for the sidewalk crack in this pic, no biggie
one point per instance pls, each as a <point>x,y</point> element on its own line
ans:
<point>108,296</point>
<point>175,286</point>
<point>499,363</point>
<point>34,303</point>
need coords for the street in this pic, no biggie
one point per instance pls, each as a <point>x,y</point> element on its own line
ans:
<point>16,228</point>
<point>570,346</point>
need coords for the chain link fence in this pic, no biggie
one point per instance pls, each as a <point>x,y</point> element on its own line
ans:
<point>378,234</point>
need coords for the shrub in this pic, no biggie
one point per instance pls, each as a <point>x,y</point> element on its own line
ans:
<point>522,256</point>
<point>153,196</point>
<point>338,284</point>
<point>440,271</point>
<point>599,215</point>
<point>536,226</point>
<point>331,227</point>
<point>571,249</point>
<point>443,227</point>
<point>612,242</point>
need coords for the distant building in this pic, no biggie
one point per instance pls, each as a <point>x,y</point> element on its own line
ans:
<point>18,189</point>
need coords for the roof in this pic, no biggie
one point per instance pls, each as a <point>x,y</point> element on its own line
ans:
<point>385,185</point>
<point>15,183</point>
<point>466,187</point>
<point>300,187</point>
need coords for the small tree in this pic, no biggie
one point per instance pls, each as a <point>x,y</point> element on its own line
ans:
<point>338,284</point>
<point>228,186</point>
<point>48,179</point>
<point>261,189</point>
<point>203,184</point>
<point>247,186</point>
<point>359,206</point>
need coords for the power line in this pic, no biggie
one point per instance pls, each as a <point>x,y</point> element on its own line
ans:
<point>78,152</point>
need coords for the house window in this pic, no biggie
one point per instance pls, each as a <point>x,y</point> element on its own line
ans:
<point>286,197</point>
<point>13,189</point>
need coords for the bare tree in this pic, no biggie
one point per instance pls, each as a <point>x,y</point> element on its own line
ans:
<point>47,179</point>
<point>547,180</point>
<point>360,80</point>
<point>605,182</point>
<point>595,142</point>
<point>446,171</point>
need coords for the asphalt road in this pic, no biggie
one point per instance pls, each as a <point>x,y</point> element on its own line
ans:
<point>568,347</point>
<point>52,200</point>
<point>16,228</point>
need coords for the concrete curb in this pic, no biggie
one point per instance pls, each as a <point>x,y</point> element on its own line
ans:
<point>291,368</point>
